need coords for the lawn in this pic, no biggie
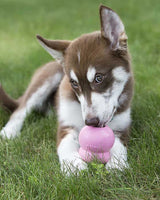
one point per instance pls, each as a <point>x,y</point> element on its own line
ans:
<point>29,167</point>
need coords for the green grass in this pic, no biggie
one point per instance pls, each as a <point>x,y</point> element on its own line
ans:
<point>29,167</point>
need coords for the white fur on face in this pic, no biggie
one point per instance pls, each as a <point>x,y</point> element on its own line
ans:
<point>73,76</point>
<point>91,74</point>
<point>70,114</point>
<point>122,98</point>
<point>103,105</point>
<point>36,100</point>
<point>118,156</point>
<point>68,153</point>
<point>121,121</point>
<point>120,74</point>
<point>58,55</point>
<point>84,106</point>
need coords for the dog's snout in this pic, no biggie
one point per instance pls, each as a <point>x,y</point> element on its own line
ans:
<point>92,121</point>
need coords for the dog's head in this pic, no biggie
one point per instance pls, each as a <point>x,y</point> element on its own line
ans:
<point>98,67</point>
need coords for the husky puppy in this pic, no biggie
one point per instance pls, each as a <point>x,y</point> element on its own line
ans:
<point>91,82</point>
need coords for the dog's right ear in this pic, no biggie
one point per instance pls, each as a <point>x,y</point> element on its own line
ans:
<point>56,48</point>
<point>112,28</point>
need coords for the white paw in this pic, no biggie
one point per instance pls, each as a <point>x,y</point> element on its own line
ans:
<point>73,164</point>
<point>8,133</point>
<point>114,163</point>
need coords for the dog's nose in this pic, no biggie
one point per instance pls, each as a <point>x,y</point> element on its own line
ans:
<point>92,121</point>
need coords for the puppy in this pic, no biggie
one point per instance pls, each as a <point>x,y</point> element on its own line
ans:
<point>91,82</point>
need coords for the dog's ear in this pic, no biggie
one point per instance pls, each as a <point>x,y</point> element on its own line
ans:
<point>112,28</point>
<point>56,48</point>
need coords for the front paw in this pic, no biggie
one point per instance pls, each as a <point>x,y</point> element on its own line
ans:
<point>114,163</point>
<point>8,133</point>
<point>73,164</point>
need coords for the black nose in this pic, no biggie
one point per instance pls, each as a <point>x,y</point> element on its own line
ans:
<point>92,121</point>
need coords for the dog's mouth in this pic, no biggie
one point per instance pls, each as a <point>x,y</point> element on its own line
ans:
<point>103,124</point>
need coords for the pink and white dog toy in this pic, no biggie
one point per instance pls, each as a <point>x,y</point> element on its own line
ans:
<point>95,143</point>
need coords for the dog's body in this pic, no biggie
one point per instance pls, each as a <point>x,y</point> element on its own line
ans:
<point>95,89</point>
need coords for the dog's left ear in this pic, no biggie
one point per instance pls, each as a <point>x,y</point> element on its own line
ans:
<point>56,48</point>
<point>112,28</point>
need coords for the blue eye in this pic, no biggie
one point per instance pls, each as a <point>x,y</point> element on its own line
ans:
<point>74,83</point>
<point>98,78</point>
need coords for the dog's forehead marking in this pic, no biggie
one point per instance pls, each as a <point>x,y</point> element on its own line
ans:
<point>73,76</point>
<point>79,56</point>
<point>120,74</point>
<point>91,73</point>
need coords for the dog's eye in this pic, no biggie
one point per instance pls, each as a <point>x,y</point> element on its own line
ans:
<point>99,78</point>
<point>74,83</point>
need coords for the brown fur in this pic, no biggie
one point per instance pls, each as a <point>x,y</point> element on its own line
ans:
<point>40,76</point>
<point>7,102</point>
<point>62,132</point>
<point>59,45</point>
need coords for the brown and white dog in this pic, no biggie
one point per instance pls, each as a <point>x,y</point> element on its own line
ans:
<point>90,83</point>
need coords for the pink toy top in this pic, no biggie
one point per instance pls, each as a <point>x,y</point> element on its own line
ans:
<point>96,142</point>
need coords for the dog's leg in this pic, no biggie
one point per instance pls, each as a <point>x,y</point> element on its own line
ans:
<point>70,123</point>
<point>35,96</point>
<point>68,152</point>
<point>118,156</point>
<point>120,126</point>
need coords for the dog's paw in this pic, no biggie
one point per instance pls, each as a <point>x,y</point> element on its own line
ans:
<point>8,133</point>
<point>73,165</point>
<point>114,163</point>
